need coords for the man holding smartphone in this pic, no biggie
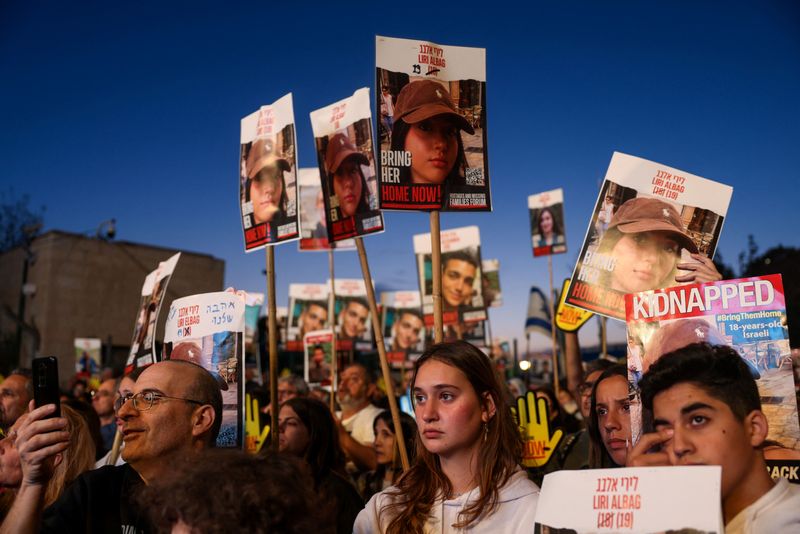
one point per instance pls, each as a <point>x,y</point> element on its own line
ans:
<point>174,412</point>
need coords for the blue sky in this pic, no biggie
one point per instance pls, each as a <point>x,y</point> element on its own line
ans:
<point>132,110</point>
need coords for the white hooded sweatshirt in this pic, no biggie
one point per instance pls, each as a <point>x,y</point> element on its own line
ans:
<point>515,511</point>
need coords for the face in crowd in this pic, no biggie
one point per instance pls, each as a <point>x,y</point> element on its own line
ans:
<point>266,191</point>
<point>407,330</point>
<point>348,184</point>
<point>707,432</point>
<point>286,390</point>
<point>293,437</point>
<point>14,399</point>
<point>103,398</point>
<point>457,279</point>
<point>384,443</point>
<point>585,392</point>
<point>354,387</point>
<point>613,406</point>
<point>10,466</point>
<point>314,317</point>
<point>644,261</point>
<point>354,319</point>
<point>449,413</point>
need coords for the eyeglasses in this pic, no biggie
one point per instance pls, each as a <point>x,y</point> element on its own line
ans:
<point>144,400</point>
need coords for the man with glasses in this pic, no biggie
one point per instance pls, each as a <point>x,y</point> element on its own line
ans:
<point>174,412</point>
<point>15,393</point>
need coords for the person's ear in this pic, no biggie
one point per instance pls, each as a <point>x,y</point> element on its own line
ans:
<point>202,420</point>
<point>57,459</point>
<point>757,427</point>
<point>489,407</point>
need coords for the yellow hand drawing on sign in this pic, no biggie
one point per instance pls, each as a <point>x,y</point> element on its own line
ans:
<point>534,420</point>
<point>254,435</point>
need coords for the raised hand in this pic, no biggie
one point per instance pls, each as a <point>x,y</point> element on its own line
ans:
<point>700,270</point>
<point>648,452</point>
<point>534,420</point>
<point>39,439</point>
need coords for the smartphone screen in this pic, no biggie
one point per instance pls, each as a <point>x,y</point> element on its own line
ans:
<point>45,383</point>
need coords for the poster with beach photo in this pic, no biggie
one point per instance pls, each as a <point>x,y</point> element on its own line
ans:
<point>346,159</point>
<point>208,330</point>
<point>648,220</point>
<point>268,176</point>
<point>431,101</point>
<point>546,211</point>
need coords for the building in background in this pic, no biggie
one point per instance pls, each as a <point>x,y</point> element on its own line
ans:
<point>84,287</point>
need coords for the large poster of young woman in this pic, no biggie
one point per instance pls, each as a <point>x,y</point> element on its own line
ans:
<point>432,103</point>
<point>651,227</point>
<point>268,176</point>
<point>345,152</point>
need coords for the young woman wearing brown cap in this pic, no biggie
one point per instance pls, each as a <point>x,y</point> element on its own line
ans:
<point>645,238</point>
<point>428,126</point>
<point>264,187</point>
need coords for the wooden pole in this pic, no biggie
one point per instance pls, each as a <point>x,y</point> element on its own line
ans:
<point>331,311</point>
<point>436,273</point>
<point>387,379</point>
<point>114,455</point>
<point>553,325</point>
<point>603,338</point>
<point>272,317</point>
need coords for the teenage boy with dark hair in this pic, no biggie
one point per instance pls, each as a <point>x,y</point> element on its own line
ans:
<point>707,411</point>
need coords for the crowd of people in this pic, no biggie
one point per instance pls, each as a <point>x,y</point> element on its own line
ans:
<point>341,471</point>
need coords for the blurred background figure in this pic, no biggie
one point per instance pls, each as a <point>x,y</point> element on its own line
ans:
<point>388,453</point>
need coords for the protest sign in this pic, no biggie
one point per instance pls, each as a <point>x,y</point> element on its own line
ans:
<point>253,304</point>
<point>144,332</point>
<point>432,103</point>
<point>569,318</point>
<point>648,218</point>
<point>402,324</point>
<point>313,224</point>
<point>267,176</point>
<point>318,350</point>
<point>87,356</point>
<point>547,222</point>
<point>490,279</point>
<point>346,157</point>
<point>208,330</point>
<point>632,499</point>
<point>308,311</point>
<point>352,315</point>
<point>747,314</point>
<point>462,292</point>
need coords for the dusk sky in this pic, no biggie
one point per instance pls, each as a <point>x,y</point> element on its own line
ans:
<point>131,110</point>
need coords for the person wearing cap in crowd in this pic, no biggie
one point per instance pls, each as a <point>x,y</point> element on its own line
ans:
<point>265,187</point>
<point>406,329</point>
<point>644,240</point>
<point>427,125</point>
<point>346,180</point>
<point>706,410</point>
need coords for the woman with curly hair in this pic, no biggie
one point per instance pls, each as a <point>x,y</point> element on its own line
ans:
<point>466,473</point>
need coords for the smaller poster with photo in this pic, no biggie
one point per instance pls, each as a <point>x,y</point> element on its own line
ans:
<point>308,311</point>
<point>346,157</point>
<point>431,100</point>
<point>208,330</point>
<point>490,279</point>
<point>318,350</point>
<point>353,320</point>
<point>268,176</point>
<point>254,302</point>
<point>649,219</point>
<point>548,234</point>
<point>313,224</point>
<point>403,324</point>
<point>154,288</point>
<point>462,291</point>
<point>87,356</point>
